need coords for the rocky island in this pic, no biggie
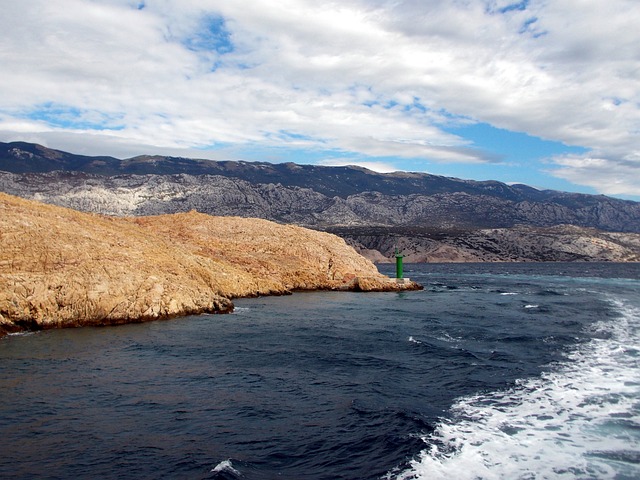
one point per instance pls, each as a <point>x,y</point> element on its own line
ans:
<point>62,268</point>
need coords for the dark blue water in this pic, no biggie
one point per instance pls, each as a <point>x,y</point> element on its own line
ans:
<point>493,371</point>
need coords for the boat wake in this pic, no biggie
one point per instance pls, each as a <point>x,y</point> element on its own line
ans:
<point>580,419</point>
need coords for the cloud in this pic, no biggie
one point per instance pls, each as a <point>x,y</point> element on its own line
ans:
<point>363,77</point>
<point>605,175</point>
<point>380,167</point>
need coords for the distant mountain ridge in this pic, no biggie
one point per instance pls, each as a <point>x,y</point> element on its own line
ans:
<point>340,199</point>
<point>22,157</point>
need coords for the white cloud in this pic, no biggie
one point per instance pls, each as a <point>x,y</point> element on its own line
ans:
<point>373,78</point>
<point>380,167</point>
<point>611,177</point>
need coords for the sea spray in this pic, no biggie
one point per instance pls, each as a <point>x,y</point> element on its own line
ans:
<point>579,419</point>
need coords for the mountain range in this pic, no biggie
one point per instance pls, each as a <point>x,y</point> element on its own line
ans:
<point>434,218</point>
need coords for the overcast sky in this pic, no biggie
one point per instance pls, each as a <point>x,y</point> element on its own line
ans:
<point>545,93</point>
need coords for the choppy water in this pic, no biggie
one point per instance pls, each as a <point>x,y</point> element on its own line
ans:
<point>503,371</point>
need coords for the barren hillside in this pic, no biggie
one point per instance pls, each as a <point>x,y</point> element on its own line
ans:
<point>60,267</point>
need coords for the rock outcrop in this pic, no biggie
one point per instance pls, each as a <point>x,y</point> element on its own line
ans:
<point>60,267</point>
<point>563,243</point>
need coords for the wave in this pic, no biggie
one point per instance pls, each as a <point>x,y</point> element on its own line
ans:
<point>22,334</point>
<point>224,469</point>
<point>580,419</point>
<point>240,310</point>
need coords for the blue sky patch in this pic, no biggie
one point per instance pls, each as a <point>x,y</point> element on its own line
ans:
<point>291,136</point>
<point>512,146</point>
<point>520,6</point>
<point>62,116</point>
<point>530,26</point>
<point>212,36</point>
<point>524,158</point>
<point>527,24</point>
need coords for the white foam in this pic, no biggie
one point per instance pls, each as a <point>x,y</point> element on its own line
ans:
<point>569,423</point>
<point>532,306</point>
<point>445,337</point>
<point>241,310</point>
<point>225,466</point>
<point>509,293</point>
<point>21,334</point>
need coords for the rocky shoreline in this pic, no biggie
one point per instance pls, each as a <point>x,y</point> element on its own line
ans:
<point>63,268</point>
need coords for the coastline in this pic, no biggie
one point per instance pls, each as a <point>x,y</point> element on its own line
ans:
<point>223,307</point>
<point>63,268</point>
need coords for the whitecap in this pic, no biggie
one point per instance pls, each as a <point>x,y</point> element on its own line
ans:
<point>20,334</point>
<point>226,466</point>
<point>532,306</point>
<point>577,420</point>
<point>509,293</point>
<point>241,310</point>
<point>445,337</point>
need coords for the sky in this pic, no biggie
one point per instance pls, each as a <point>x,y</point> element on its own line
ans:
<point>540,92</point>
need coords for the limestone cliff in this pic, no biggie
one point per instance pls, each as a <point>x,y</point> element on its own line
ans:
<point>60,267</point>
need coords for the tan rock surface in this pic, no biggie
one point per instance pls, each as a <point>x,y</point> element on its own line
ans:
<point>60,267</point>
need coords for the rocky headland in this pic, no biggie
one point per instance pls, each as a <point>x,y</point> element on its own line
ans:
<point>62,268</point>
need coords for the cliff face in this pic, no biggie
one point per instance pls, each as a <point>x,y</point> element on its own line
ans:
<point>60,267</point>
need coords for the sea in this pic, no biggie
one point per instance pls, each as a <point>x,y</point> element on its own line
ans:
<point>493,371</point>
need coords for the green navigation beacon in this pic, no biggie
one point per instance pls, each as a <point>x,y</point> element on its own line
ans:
<point>399,257</point>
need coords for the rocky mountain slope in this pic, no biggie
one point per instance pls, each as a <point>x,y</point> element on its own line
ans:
<point>564,243</point>
<point>329,198</point>
<point>60,267</point>
<point>219,195</point>
<point>310,194</point>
